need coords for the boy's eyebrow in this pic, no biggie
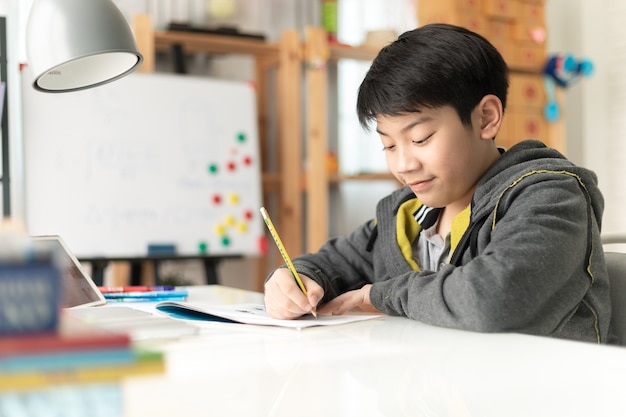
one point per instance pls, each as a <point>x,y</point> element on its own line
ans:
<point>411,125</point>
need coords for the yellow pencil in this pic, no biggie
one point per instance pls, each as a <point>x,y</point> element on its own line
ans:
<point>283,251</point>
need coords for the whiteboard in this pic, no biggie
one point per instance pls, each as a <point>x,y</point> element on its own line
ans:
<point>151,159</point>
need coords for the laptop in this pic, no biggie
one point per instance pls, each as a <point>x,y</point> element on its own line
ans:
<point>79,290</point>
<point>80,294</point>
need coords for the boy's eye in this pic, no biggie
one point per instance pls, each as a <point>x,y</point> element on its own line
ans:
<point>419,142</point>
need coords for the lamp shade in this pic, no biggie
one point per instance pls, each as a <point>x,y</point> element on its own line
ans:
<point>77,44</point>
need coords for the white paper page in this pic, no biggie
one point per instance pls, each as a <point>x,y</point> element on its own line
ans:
<point>254,314</point>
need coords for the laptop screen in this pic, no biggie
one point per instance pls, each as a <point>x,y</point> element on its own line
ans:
<point>78,287</point>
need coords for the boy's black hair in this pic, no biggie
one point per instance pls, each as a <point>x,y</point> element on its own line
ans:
<point>432,66</point>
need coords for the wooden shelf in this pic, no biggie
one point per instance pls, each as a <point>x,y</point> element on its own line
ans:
<point>270,182</point>
<point>214,44</point>
<point>317,179</point>
<point>360,53</point>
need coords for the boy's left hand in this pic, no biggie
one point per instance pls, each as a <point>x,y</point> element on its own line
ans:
<point>356,299</point>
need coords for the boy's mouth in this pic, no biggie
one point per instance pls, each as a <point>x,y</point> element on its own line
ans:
<point>421,185</point>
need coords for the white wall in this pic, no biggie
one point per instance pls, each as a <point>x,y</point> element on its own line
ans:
<point>596,107</point>
<point>573,27</point>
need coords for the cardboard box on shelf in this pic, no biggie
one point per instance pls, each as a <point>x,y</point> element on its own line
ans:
<point>526,91</point>
<point>529,125</point>
<point>501,9</point>
<point>473,21</point>
<point>529,32</point>
<point>436,7</point>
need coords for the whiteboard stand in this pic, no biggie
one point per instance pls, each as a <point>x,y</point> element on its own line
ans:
<point>210,264</point>
<point>99,265</point>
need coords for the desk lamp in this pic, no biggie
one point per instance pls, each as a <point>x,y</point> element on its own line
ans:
<point>77,44</point>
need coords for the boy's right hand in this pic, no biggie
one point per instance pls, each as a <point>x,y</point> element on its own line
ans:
<point>285,300</point>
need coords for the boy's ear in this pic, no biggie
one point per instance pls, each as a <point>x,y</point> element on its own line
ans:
<point>491,113</point>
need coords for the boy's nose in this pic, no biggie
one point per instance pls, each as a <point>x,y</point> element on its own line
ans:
<point>406,161</point>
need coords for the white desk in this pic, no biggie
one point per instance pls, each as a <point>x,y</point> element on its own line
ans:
<point>385,367</point>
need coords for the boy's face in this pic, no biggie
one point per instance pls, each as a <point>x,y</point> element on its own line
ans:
<point>432,152</point>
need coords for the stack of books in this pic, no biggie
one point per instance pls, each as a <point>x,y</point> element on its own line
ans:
<point>77,367</point>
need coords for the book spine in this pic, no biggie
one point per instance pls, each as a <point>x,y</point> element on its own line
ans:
<point>80,400</point>
<point>63,360</point>
<point>35,345</point>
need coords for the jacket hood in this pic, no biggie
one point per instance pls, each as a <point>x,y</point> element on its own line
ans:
<point>532,156</point>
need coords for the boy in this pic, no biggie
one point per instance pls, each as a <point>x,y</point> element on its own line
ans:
<point>479,238</point>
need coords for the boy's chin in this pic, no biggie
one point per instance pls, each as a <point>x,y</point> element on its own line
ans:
<point>428,200</point>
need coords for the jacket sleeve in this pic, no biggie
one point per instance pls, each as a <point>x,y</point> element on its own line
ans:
<point>341,264</point>
<point>529,273</point>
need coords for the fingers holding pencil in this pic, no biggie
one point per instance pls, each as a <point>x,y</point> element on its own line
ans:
<point>314,293</point>
<point>285,300</point>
